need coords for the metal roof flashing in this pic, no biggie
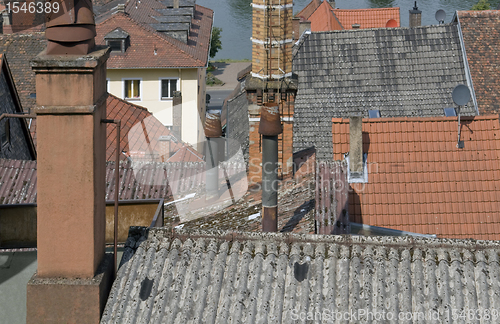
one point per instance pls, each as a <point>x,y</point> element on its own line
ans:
<point>356,177</point>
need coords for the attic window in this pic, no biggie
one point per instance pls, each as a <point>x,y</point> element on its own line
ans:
<point>118,40</point>
<point>450,112</point>
<point>115,45</point>
<point>374,113</point>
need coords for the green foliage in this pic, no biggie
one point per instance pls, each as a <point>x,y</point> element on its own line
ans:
<point>212,80</point>
<point>481,5</point>
<point>215,42</point>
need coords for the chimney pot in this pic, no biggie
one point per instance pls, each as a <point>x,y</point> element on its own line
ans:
<point>304,25</point>
<point>356,145</point>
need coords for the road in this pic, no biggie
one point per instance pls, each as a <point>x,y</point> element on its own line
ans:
<point>217,97</point>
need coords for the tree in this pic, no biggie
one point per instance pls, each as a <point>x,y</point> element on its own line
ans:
<point>215,42</point>
<point>481,5</point>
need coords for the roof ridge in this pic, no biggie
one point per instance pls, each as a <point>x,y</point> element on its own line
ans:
<point>129,103</point>
<point>369,9</point>
<point>337,120</point>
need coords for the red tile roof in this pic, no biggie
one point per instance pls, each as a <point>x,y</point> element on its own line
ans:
<point>481,33</point>
<point>309,9</point>
<point>140,134</point>
<point>145,41</point>
<point>323,19</point>
<point>367,18</point>
<point>419,181</point>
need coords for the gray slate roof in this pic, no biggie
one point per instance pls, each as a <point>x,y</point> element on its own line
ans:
<point>399,71</point>
<point>228,277</point>
<point>237,125</point>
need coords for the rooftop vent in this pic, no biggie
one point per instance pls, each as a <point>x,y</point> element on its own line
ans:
<point>356,26</point>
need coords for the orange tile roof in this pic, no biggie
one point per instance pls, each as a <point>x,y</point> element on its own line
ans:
<point>140,133</point>
<point>419,181</point>
<point>323,19</point>
<point>145,41</point>
<point>309,9</point>
<point>367,18</point>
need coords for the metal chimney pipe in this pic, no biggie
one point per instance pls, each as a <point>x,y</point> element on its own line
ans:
<point>213,132</point>
<point>270,127</point>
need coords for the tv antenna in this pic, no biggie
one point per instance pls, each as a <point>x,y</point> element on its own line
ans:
<point>461,96</point>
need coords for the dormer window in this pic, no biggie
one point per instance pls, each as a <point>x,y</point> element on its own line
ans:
<point>118,40</point>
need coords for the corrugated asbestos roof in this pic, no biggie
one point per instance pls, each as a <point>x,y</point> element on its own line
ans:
<point>228,277</point>
<point>481,32</point>
<point>399,71</point>
<point>419,181</point>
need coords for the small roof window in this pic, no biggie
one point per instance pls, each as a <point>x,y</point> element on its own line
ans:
<point>450,112</point>
<point>118,40</point>
<point>374,113</point>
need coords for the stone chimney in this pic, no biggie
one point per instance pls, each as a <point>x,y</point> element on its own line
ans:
<point>177,114</point>
<point>415,16</point>
<point>356,146</point>
<point>73,276</point>
<point>176,4</point>
<point>304,25</point>
<point>6,22</point>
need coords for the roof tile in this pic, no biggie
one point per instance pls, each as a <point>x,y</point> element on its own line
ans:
<point>457,190</point>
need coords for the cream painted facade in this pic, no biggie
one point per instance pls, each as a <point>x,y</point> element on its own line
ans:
<point>191,83</point>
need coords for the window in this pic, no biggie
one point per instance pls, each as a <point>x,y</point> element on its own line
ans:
<point>132,89</point>
<point>115,45</point>
<point>168,86</point>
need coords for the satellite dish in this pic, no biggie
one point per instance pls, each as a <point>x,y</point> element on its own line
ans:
<point>461,95</point>
<point>440,16</point>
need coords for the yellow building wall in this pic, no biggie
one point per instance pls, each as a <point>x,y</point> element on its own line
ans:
<point>193,95</point>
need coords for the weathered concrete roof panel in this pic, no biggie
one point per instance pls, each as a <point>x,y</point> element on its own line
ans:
<point>223,277</point>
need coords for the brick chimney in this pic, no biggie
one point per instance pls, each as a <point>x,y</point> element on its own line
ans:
<point>272,38</point>
<point>415,16</point>
<point>73,275</point>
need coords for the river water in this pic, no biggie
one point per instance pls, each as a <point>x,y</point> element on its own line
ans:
<point>235,18</point>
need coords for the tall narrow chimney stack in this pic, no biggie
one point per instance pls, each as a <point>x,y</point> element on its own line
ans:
<point>415,16</point>
<point>356,146</point>
<point>73,275</point>
<point>176,4</point>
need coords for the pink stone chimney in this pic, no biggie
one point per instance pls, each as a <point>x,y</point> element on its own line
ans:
<point>74,275</point>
